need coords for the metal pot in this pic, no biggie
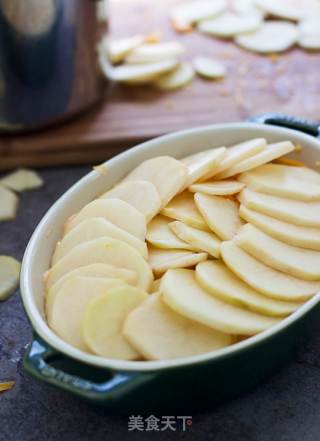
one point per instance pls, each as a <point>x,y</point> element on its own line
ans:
<point>48,61</point>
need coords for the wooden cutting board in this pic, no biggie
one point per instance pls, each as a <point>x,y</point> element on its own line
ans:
<point>288,83</point>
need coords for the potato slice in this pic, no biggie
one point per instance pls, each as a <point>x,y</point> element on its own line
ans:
<point>103,320</point>
<point>167,174</point>
<point>304,237</point>
<point>22,180</point>
<point>153,52</point>
<point>116,211</point>
<point>181,293</point>
<point>272,151</point>
<point>288,9</point>
<point>201,240</point>
<point>309,30</point>
<point>285,181</point>
<point>183,208</point>
<point>194,11</point>
<point>182,75</point>
<point>161,236</point>
<point>102,250</point>
<point>94,228</point>
<point>155,286</point>
<point>229,24</point>
<point>218,280</point>
<point>238,153</point>
<point>247,7</point>
<point>9,203</point>
<point>305,214</point>
<point>217,188</point>
<point>220,214</point>
<point>273,36</point>
<point>162,260</point>
<point>118,49</point>
<point>159,333</point>
<point>298,262</point>
<point>209,67</point>
<point>9,276</point>
<point>70,304</point>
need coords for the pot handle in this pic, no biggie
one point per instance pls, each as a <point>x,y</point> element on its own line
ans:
<point>120,382</point>
<point>290,122</point>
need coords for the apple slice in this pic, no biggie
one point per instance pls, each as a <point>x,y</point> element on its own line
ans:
<point>116,211</point>
<point>167,174</point>
<point>272,151</point>
<point>160,235</point>
<point>217,188</point>
<point>285,181</point>
<point>209,67</point>
<point>9,203</point>
<point>153,52</point>
<point>305,214</point>
<point>183,208</point>
<point>118,49</point>
<point>94,228</point>
<point>220,214</point>
<point>142,195</point>
<point>22,180</point>
<point>194,11</point>
<point>159,333</point>
<point>304,237</point>
<point>161,260</point>
<point>70,304</point>
<point>263,278</point>
<point>179,77</point>
<point>103,320</point>
<point>181,293</point>
<point>298,262</point>
<point>218,280</point>
<point>102,250</point>
<point>230,24</point>
<point>200,240</point>
<point>9,276</point>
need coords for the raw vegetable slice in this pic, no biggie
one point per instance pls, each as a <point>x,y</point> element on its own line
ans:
<point>309,33</point>
<point>159,333</point>
<point>154,52</point>
<point>182,293</point>
<point>229,24</point>
<point>9,202</point>
<point>142,195</point>
<point>208,67</point>
<point>182,75</point>
<point>194,11</point>
<point>220,214</point>
<point>247,7</point>
<point>217,188</point>
<point>103,320</point>
<point>288,9</point>
<point>218,280</point>
<point>22,180</point>
<point>9,276</point>
<point>298,262</point>
<point>118,49</point>
<point>263,278</point>
<point>155,286</point>
<point>271,152</point>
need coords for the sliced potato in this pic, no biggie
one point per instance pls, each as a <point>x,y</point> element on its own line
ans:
<point>298,262</point>
<point>153,52</point>
<point>118,49</point>
<point>22,180</point>
<point>9,203</point>
<point>218,280</point>
<point>142,195</point>
<point>209,67</point>
<point>9,276</point>
<point>217,188</point>
<point>247,7</point>
<point>309,33</point>
<point>182,293</point>
<point>167,175</point>
<point>102,250</point>
<point>103,320</point>
<point>220,214</point>
<point>159,333</point>
<point>182,75</point>
<point>305,214</point>
<point>194,11</point>
<point>200,240</point>
<point>229,24</point>
<point>155,286</point>
<point>114,210</point>
<point>288,9</point>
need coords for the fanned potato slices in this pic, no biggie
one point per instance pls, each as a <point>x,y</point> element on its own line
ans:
<point>176,78</point>
<point>153,52</point>
<point>182,294</point>
<point>159,333</point>
<point>288,9</point>
<point>194,11</point>
<point>229,24</point>
<point>118,49</point>
<point>9,203</point>
<point>217,188</point>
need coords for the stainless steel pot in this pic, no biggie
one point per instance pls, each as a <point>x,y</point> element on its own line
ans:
<point>48,60</point>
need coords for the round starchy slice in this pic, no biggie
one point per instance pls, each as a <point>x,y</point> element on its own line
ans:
<point>102,250</point>
<point>167,175</point>
<point>116,211</point>
<point>93,228</point>
<point>220,214</point>
<point>209,67</point>
<point>288,9</point>
<point>118,49</point>
<point>298,262</point>
<point>182,75</point>
<point>247,7</point>
<point>309,33</point>
<point>9,276</point>
<point>263,278</point>
<point>159,333</point>
<point>103,320</point>
<point>304,237</point>
<point>194,11</point>
<point>218,280</point>
<point>182,293</point>
<point>154,52</point>
<point>70,304</point>
<point>229,24</point>
<point>217,188</point>
<point>201,240</point>
<point>273,36</point>
<point>22,180</point>
<point>9,203</point>
<point>142,195</point>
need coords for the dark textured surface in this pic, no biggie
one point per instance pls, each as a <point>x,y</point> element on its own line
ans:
<point>286,407</point>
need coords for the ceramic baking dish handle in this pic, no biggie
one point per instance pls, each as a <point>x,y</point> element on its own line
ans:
<point>290,122</point>
<point>36,364</point>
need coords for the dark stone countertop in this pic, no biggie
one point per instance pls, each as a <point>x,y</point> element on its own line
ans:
<point>284,408</point>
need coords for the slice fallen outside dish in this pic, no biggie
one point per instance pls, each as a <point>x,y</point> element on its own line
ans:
<point>9,276</point>
<point>22,180</point>
<point>229,24</point>
<point>194,11</point>
<point>182,75</point>
<point>9,203</point>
